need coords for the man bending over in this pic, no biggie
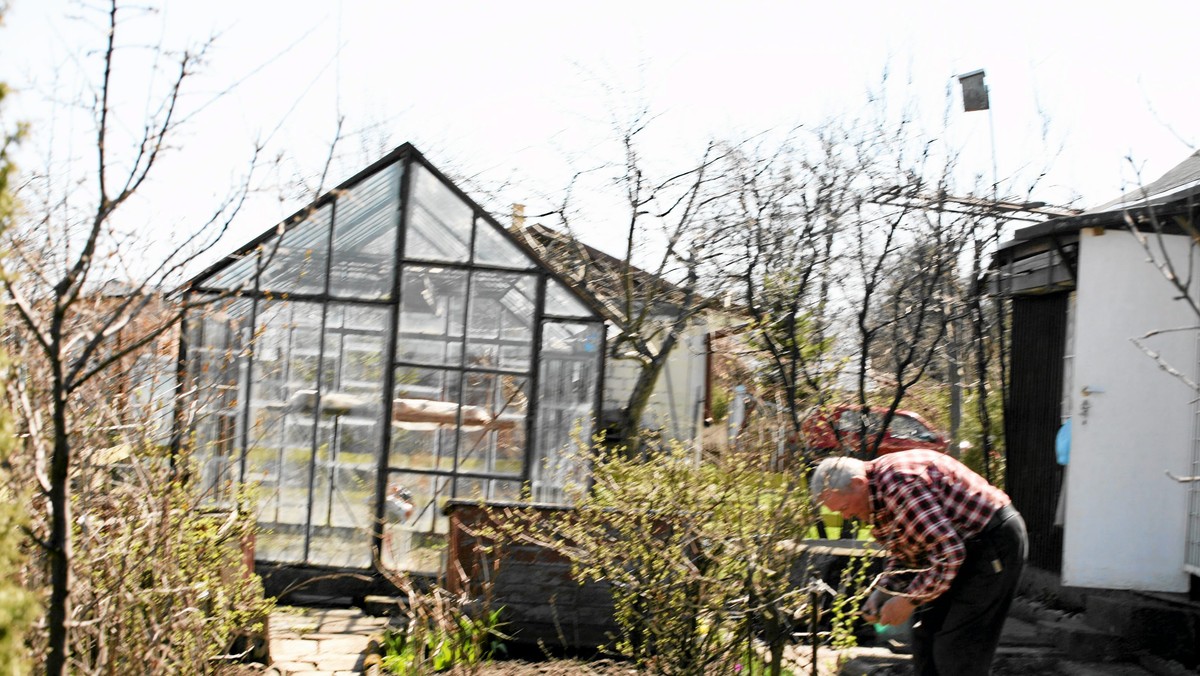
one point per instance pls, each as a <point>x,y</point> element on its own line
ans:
<point>955,547</point>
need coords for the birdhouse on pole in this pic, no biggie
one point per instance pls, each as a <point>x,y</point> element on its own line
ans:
<point>974,91</point>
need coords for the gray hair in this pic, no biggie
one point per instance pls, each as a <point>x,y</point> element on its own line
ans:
<point>834,474</point>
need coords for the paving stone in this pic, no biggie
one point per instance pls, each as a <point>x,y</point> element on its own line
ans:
<point>285,619</point>
<point>338,662</point>
<point>335,613</point>
<point>294,624</point>
<point>330,635</point>
<point>287,649</point>
<point>343,644</point>
<point>352,624</point>
<point>359,630</point>
<point>292,666</point>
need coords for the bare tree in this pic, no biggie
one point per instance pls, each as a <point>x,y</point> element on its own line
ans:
<point>87,298</point>
<point>670,221</point>
<point>858,252</point>
<point>788,213</point>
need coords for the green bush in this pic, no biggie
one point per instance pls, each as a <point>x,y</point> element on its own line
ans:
<point>18,607</point>
<point>161,582</point>
<point>693,553</point>
<point>459,641</point>
<point>443,631</point>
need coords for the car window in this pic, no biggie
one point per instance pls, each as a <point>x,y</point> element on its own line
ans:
<point>904,427</point>
<point>850,421</point>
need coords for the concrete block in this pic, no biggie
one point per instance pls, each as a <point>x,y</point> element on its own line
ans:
<point>1018,632</point>
<point>1087,668</point>
<point>1162,667</point>
<point>1017,659</point>
<point>1078,641</point>
<point>1168,631</point>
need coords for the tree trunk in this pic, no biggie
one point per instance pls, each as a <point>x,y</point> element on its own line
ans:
<point>60,540</point>
<point>981,367</point>
<point>630,426</point>
<point>954,379</point>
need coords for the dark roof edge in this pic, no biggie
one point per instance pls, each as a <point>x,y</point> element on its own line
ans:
<point>1104,219</point>
<point>404,152</point>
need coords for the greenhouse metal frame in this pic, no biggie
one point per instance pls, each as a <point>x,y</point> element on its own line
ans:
<point>385,349</point>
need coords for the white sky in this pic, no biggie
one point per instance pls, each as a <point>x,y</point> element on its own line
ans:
<point>513,92</point>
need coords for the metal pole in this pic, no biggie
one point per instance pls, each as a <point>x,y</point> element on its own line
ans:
<point>976,96</point>
<point>986,441</point>
<point>992,134</point>
<point>815,611</point>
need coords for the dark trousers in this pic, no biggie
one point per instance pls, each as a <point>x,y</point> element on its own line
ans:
<point>957,633</point>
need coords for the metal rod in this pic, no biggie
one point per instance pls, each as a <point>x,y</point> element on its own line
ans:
<point>815,614</point>
<point>314,438</point>
<point>992,134</point>
<point>391,344</point>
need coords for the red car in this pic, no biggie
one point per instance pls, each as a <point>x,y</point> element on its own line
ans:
<point>907,430</point>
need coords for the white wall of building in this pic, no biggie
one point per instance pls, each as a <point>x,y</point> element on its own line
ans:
<point>1126,521</point>
<point>678,395</point>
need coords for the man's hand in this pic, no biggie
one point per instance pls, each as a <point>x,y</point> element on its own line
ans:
<point>896,611</point>
<point>870,609</point>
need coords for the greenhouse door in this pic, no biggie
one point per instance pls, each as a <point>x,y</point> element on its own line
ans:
<point>316,408</point>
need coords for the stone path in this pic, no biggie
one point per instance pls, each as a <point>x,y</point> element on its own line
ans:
<point>322,641</point>
<point>339,642</point>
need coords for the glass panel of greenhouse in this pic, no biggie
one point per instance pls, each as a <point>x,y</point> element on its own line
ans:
<point>390,349</point>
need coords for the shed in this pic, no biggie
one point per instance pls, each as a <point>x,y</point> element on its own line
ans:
<point>1094,321</point>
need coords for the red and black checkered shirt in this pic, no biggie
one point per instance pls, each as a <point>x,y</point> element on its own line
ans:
<point>924,505</point>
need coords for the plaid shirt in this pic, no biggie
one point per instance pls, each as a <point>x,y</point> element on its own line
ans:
<point>924,505</point>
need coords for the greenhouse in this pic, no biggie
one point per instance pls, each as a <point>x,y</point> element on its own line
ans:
<point>384,350</point>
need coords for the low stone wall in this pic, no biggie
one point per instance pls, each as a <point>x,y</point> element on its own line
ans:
<point>543,603</point>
